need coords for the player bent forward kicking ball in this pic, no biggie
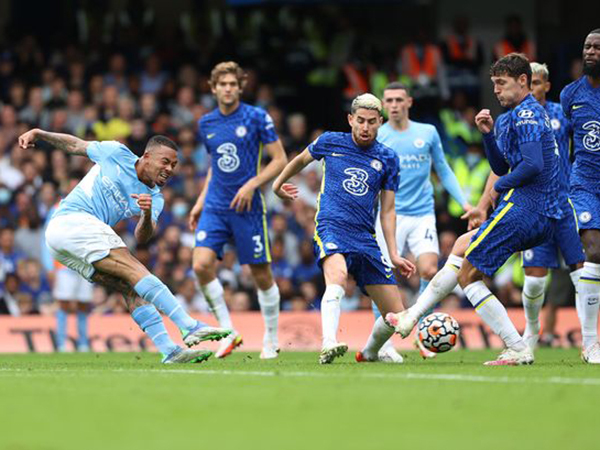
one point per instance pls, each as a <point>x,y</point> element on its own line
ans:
<point>356,168</point>
<point>80,235</point>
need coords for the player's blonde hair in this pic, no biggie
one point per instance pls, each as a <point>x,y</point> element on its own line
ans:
<point>540,69</point>
<point>227,67</point>
<point>366,101</point>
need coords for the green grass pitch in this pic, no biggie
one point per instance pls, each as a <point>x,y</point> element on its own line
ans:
<point>130,401</point>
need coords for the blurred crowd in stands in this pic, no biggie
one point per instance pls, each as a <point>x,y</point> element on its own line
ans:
<point>115,78</point>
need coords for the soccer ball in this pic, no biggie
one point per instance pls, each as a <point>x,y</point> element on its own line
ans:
<point>438,332</point>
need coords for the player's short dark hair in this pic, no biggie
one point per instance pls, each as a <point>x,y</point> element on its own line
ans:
<point>397,85</point>
<point>513,65</point>
<point>227,67</point>
<point>158,140</point>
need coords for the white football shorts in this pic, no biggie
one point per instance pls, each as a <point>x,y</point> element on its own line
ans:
<point>417,234</point>
<point>78,240</point>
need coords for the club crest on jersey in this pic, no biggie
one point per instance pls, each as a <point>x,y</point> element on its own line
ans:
<point>591,141</point>
<point>201,235</point>
<point>376,164</point>
<point>555,123</point>
<point>356,184</point>
<point>241,131</point>
<point>419,143</point>
<point>525,114</point>
<point>229,161</point>
<point>528,255</point>
<point>585,217</point>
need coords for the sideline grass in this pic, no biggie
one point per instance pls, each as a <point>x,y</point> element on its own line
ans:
<point>130,401</point>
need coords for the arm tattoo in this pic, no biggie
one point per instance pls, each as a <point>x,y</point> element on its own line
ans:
<point>65,142</point>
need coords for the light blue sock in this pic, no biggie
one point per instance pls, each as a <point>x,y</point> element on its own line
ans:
<point>82,329</point>
<point>61,328</point>
<point>376,312</point>
<point>149,320</point>
<point>154,291</point>
<point>422,286</point>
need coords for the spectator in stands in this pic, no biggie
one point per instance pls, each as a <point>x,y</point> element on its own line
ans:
<point>463,54</point>
<point>515,40</point>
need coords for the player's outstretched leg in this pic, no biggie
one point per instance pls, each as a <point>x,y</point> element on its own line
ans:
<point>493,313</point>
<point>439,288</point>
<point>121,264</point>
<point>154,291</point>
<point>533,299</point>
<point>149,320</point>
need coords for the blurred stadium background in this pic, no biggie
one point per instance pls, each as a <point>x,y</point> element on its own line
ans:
<point>124,70</point>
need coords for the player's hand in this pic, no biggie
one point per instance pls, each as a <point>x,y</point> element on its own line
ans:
<point>27,140</point>
<point>494,194</point>
<point>287,191</point>
<point>484,121</point>
<point>475,216</point>
<point>404,266</point>
<point>243,198</point>
<point>144,201</point>
<point>194,217</point>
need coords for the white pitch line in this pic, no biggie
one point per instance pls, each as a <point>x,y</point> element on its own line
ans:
<point>394,376</point>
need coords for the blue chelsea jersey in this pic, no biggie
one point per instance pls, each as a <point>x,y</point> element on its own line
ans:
<point>562,129</point>
<point>105,191</point>
<point>529,122</point>
<point>353,176</point>
<point>581,104</point>
<point>235,144</point>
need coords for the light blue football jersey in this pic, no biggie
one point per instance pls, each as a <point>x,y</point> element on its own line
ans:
<point>418,147</point>
<point>105,191</point>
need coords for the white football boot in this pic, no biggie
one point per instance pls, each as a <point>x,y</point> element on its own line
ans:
<point>401,322</point>
<point>591,355</point>
<point>328,354</point>
<point>511,357</point>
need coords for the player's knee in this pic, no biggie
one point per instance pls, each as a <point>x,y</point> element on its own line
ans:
<point>337,276</point>
<point>428,272</point>
<point>461,245</point>
<point>263,277</point>
<point>465,276</point>
<point>203,267</point>
<point>592,253</point>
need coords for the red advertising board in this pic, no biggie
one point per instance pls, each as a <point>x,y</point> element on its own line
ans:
<point>297,331</point>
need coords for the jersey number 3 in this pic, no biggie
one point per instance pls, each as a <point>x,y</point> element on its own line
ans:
<point>229,161</point>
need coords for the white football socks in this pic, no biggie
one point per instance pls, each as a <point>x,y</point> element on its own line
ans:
<point>381,333</point>
<point>213,292</point>
<point>587,302</point>
<point>533,299</point>
<point>330,313</point>
<point>269,307</point>
<point>494,314</point>
<point>440,286</point>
